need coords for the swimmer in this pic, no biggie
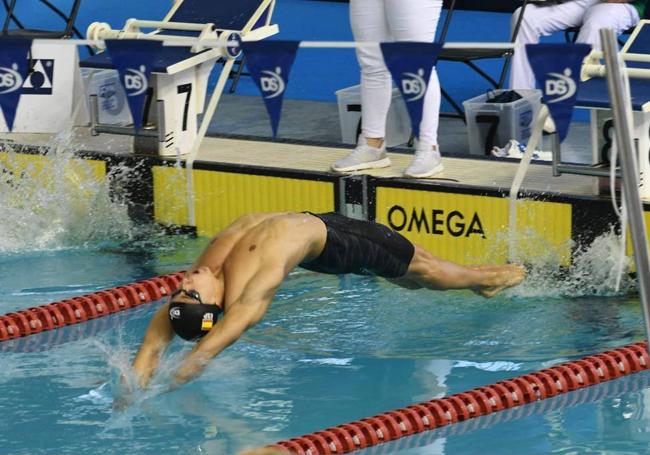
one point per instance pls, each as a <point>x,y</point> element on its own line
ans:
<point>231,285</point>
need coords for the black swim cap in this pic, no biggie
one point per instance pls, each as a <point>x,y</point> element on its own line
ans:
<point>191,321</point>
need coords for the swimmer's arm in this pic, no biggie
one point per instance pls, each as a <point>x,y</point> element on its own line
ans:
<point>239,318</point>
<point>156,339</point>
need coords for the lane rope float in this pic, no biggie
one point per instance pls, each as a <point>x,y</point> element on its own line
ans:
<point>420,417</point>
<point>66,312</point>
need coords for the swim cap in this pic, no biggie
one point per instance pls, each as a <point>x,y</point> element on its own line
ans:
<point>191,321</point>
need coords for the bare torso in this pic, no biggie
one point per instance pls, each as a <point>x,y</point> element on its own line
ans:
<point>258,251</point>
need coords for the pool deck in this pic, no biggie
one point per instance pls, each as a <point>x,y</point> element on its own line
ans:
<point>474,172</point>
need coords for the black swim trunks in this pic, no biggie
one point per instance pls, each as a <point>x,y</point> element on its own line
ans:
<point>361,247</point>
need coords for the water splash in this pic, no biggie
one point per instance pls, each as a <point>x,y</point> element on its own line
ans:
<point>592,272</point>
<point>56,201</point>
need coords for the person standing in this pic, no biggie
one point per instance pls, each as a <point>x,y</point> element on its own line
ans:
<point>392,20</point>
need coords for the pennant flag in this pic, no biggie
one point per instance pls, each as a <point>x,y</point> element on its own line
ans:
<point>133,59</point>
<point>411,64</point>
<point>270,63</point>
<point>14,65</point>
<point>557,70</point>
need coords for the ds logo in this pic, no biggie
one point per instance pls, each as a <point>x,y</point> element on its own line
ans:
<point>135,81</point>
<point>10,79</point>
<point>563,86</point>
<point>413,85</point>
<point>175,313</point>
<point>272,83</point>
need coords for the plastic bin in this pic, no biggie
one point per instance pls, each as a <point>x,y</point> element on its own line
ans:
<point>111,99</point>
<point>490,124</point>
<point>398,124</point>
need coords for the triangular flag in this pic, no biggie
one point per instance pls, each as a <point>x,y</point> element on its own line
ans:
<point>411,64</point>
<point>14,64</point>
<point>557,70</point>
<point>270,63</point>
<point>134,60</point>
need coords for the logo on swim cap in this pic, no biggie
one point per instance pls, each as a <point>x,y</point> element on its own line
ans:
<point>413,85</point>
<point>135,81</point>
<point>10,79</point>
<point>174,313</point>
<point>272,83</point>
<point>559,84</point>
<point>208,320</point>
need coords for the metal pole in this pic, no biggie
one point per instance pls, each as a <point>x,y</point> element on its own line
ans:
<point>622,109</point>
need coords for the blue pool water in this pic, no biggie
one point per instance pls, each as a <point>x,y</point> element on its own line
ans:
<point>331,350</point>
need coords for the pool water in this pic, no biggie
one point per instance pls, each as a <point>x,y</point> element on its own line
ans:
<point>330,350</point>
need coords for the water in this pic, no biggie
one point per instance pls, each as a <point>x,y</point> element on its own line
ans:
<point>330,350</point>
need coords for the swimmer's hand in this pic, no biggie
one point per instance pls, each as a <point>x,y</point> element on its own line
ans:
<point>124,396</point>
<point>121,402</point>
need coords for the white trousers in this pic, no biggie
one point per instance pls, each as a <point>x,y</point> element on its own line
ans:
<point>393,20</point>
<point>590,15</point>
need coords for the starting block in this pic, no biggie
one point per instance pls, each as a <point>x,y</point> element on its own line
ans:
<point>179,78</point>
<point>593,95</point>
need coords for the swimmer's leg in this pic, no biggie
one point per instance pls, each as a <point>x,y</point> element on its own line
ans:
<point>405,283</point>
<point>434,273</point>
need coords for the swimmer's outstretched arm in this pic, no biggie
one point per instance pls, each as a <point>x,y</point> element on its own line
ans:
<point>158,335</point>
<point>240,317</point>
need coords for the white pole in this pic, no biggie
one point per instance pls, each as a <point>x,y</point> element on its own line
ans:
<point>533,142</point>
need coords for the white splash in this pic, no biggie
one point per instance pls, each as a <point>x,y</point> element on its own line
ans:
<point>56,202</point>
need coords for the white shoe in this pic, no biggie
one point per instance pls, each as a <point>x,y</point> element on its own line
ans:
<point>514,149</point>
<point>363,157</point>
<point>427,162</point>
<point>549,125</point>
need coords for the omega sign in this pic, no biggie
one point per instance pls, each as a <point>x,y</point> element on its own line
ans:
<point>436,222</point>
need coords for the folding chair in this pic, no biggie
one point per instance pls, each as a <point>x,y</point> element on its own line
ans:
<point>53,87</point>
<point>179,75</point>
<point>469,56</point>
<point>21,31</point>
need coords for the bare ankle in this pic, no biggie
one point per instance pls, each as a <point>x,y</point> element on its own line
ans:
<point>375,142</point>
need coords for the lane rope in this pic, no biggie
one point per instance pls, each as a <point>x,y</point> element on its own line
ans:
<point>481,401</point>
<point>54,315</point>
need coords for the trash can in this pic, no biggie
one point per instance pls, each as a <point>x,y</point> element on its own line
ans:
<point>494,123</point>
<point>111,99</point>
<point>398,124</point>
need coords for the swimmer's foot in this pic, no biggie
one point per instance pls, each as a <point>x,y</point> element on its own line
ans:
<point>500,278</point>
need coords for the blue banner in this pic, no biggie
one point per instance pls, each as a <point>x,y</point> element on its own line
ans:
<point>14,65</point>
<point>134,59</point>
<point>411,64</point>
<point>270,63</point>
<point>557,70</point>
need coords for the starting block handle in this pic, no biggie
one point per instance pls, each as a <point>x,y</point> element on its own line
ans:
<point>136,24</point>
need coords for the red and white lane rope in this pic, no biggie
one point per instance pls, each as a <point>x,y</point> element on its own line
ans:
<point>481,401</point>
<point>90,306</point>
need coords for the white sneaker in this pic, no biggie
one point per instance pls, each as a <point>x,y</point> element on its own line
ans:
<point>426,163</point>
<point>363,157</point>
<point>514,149</point>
